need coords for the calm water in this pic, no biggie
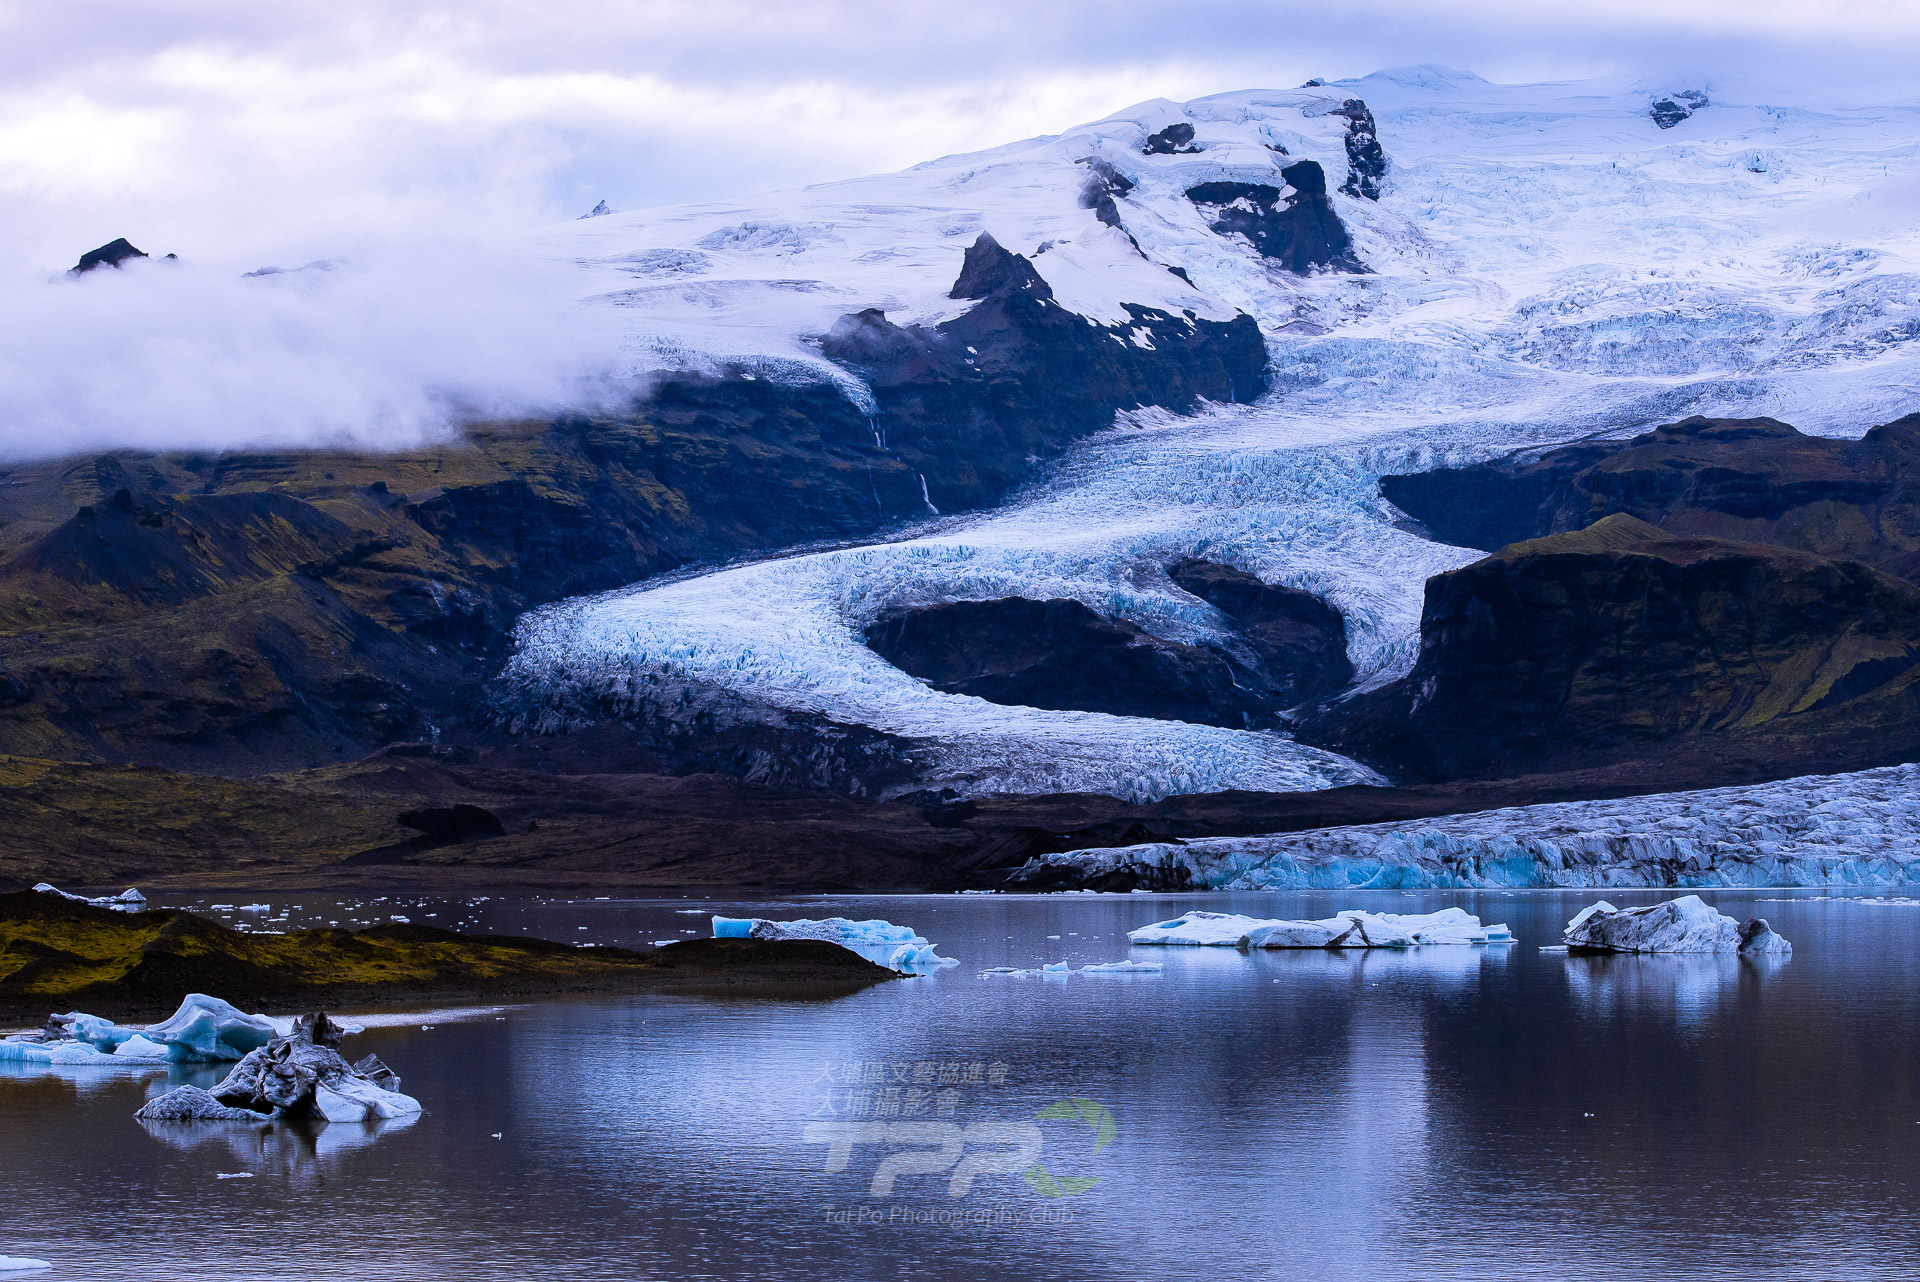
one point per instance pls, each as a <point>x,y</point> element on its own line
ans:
<point>1443,1113</point>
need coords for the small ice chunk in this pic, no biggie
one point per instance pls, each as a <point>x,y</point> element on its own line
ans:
<point>191,1104</point>
<point>1122,968</point>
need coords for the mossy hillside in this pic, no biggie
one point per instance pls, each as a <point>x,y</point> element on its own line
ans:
<point>283,610</point>
<point>57,953</point>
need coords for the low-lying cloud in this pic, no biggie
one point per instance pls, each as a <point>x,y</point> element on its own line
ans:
<point>386,348</point>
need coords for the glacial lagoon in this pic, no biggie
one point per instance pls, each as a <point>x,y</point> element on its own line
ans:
<point>1444,1112</point>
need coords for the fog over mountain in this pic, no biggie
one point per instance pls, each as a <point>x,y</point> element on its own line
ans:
<point>419,145</point>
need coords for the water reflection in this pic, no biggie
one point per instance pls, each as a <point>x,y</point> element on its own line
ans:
<point>1445,1113</point>
<point>304,1150</point>
<point>1689,987</point>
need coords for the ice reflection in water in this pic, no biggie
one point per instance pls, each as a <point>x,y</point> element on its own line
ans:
<point>1448,1113</point>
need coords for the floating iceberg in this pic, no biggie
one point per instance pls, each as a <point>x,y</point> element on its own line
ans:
<point>20,1264</point>
<point>1683,925</point>
<point>298,1075</point>
<point>128,900</point>
<point>880,942</point>
<point>1349,928</point>
<point>204,1030</point>
<point>1062,970</point>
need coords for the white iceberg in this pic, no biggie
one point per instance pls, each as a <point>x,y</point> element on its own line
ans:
<point>128,900</point>
<point>1683,925</point>
<point>191,1104</point>
<point>897,947</point>
<point>1064,970</point>
<point>20,1264</point>
<point>1349,928</point>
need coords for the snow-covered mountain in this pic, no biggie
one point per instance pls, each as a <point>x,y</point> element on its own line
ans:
<point>1541,262</point>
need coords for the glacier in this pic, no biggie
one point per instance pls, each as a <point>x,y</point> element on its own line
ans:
<point>899,948</point>
<point>1683,925</point>
<point>1856,829</point>
<point>1348,928</point>
<point>1544,264</point>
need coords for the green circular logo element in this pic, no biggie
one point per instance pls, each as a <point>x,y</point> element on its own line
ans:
<point>1099,1119</point>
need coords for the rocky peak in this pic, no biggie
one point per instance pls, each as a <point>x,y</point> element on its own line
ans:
<point>990,269</point>
<point>111,254</point>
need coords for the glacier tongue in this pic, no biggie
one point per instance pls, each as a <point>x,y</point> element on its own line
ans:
<point>1545,263</point>
<point>1819,830</point>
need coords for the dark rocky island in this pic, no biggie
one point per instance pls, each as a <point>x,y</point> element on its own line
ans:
<point>55,953</point>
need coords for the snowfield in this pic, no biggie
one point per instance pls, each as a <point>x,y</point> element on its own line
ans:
<point>1545,263</point>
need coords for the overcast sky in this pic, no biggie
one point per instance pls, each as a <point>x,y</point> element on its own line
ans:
<point>235,127</point>
<point>405,137</point>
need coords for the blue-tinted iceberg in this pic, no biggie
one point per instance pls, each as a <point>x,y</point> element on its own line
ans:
<point>1349,928</point>
<point>204,1030</point>
<point>880,942</point>
<point>20,1264</point>
<point>1683,925</point>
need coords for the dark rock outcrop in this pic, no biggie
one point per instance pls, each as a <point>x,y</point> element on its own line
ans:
<point>1303,234</point>
<point>1619,642</point>
<point>1752,480</point>
<point>111,254</point>
<point>442,824</point>
<point>1297,643</point>
<point>1104,185</point>
<point>1062,655</point>
<point>1174,140</point>
<point>1668,112</point>
<point>972,403</point>
<point>1366,159</point>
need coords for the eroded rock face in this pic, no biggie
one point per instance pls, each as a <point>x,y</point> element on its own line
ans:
<point>111,254</point>
<point>1296,641</point>
<point>1300,232</point>
<point>1104,186</point>
<point>1668,112</point>
<point>1062,655</point>
<point>971,403</point>
<point>1620,642</point>
<point>1174,140</point>
<point>1366,159</point>
<point>1755,480</point>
